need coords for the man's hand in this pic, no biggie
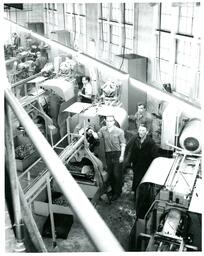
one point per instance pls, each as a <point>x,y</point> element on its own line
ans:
<point>80,93</point>
<point>90,131</point>
<point>121,159</point>
<point>94,134</point>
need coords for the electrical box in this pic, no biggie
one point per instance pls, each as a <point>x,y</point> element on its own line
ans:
<point>136,66</point>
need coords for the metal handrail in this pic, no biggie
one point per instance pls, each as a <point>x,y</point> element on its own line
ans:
<point>95,227</point>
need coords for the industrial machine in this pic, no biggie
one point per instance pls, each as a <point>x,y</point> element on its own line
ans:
<point>168,209</point>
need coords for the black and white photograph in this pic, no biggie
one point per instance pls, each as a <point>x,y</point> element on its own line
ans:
<point>102,120</point>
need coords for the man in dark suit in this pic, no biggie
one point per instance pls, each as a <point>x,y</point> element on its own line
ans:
<point>140,151</point>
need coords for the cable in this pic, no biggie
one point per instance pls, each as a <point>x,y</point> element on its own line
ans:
<point>123,54</point>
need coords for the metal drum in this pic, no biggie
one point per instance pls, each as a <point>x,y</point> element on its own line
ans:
<point>190,138</point>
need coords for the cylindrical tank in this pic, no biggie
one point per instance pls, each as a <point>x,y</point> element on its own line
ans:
<point>190,138</point>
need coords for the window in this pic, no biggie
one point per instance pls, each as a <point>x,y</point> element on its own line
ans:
<point>51,18</point>
<point>184,74</point>
<point>178,51</point>
<point>128,20</point>
<point>75,23</point>
<point>116,29</point>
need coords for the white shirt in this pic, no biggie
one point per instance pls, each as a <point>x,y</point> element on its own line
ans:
<point>88,89</point>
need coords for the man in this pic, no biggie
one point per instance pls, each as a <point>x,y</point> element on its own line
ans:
<point>39,63</point>
<point>115,143</point>
<point>16,41</point>
<point>141,150</point>
<point>86,91</point>
<point>141,117</point>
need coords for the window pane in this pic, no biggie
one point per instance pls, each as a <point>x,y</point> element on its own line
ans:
<point>129,37</point>
<point>69,8</point>
<point>115,35</point>
<point>183,81</point>
<point>164,45</point>
<point>115,12</point>
<point>104,48</point>
<point>76,8</point>
<point>114,49</point>
<point>166,17</point>
<point>184,53</point>
<point>104,11</point>
<point>163,69</point>
<point>186,18</point>
<point>82,9</point>
<point>104,31</point>
<point>69,22</point>
<point>82,25</point>
<point>129,7</point>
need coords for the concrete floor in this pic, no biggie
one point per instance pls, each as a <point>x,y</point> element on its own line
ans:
<point>119,217</point>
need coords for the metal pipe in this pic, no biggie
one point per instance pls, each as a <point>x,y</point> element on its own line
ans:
<point>29,168</point>
<point>52,222</point>
<point>35,235</point>
<point>73,148</point>
<point>93,224</point>
<point>10,154</point>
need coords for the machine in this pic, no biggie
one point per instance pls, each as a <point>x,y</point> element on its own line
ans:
<point>168,210</point>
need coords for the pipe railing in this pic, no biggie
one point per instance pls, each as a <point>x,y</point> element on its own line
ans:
<point>93,224</point>
<point>13,179</point>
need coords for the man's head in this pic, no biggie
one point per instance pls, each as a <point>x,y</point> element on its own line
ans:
<point>85,79</point>
<point>15,34</point>
<point>110,121</point>
<point>142,131</point>
<point>38,54</point>
<point>141,108</point>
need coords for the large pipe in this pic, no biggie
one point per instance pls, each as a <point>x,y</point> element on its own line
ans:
<point>93,224</point>
<point>10,154</point>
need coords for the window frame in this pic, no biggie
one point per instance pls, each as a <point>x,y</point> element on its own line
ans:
<point>173,66</point>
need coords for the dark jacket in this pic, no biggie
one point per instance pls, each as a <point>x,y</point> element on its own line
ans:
<point>140,156</point>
